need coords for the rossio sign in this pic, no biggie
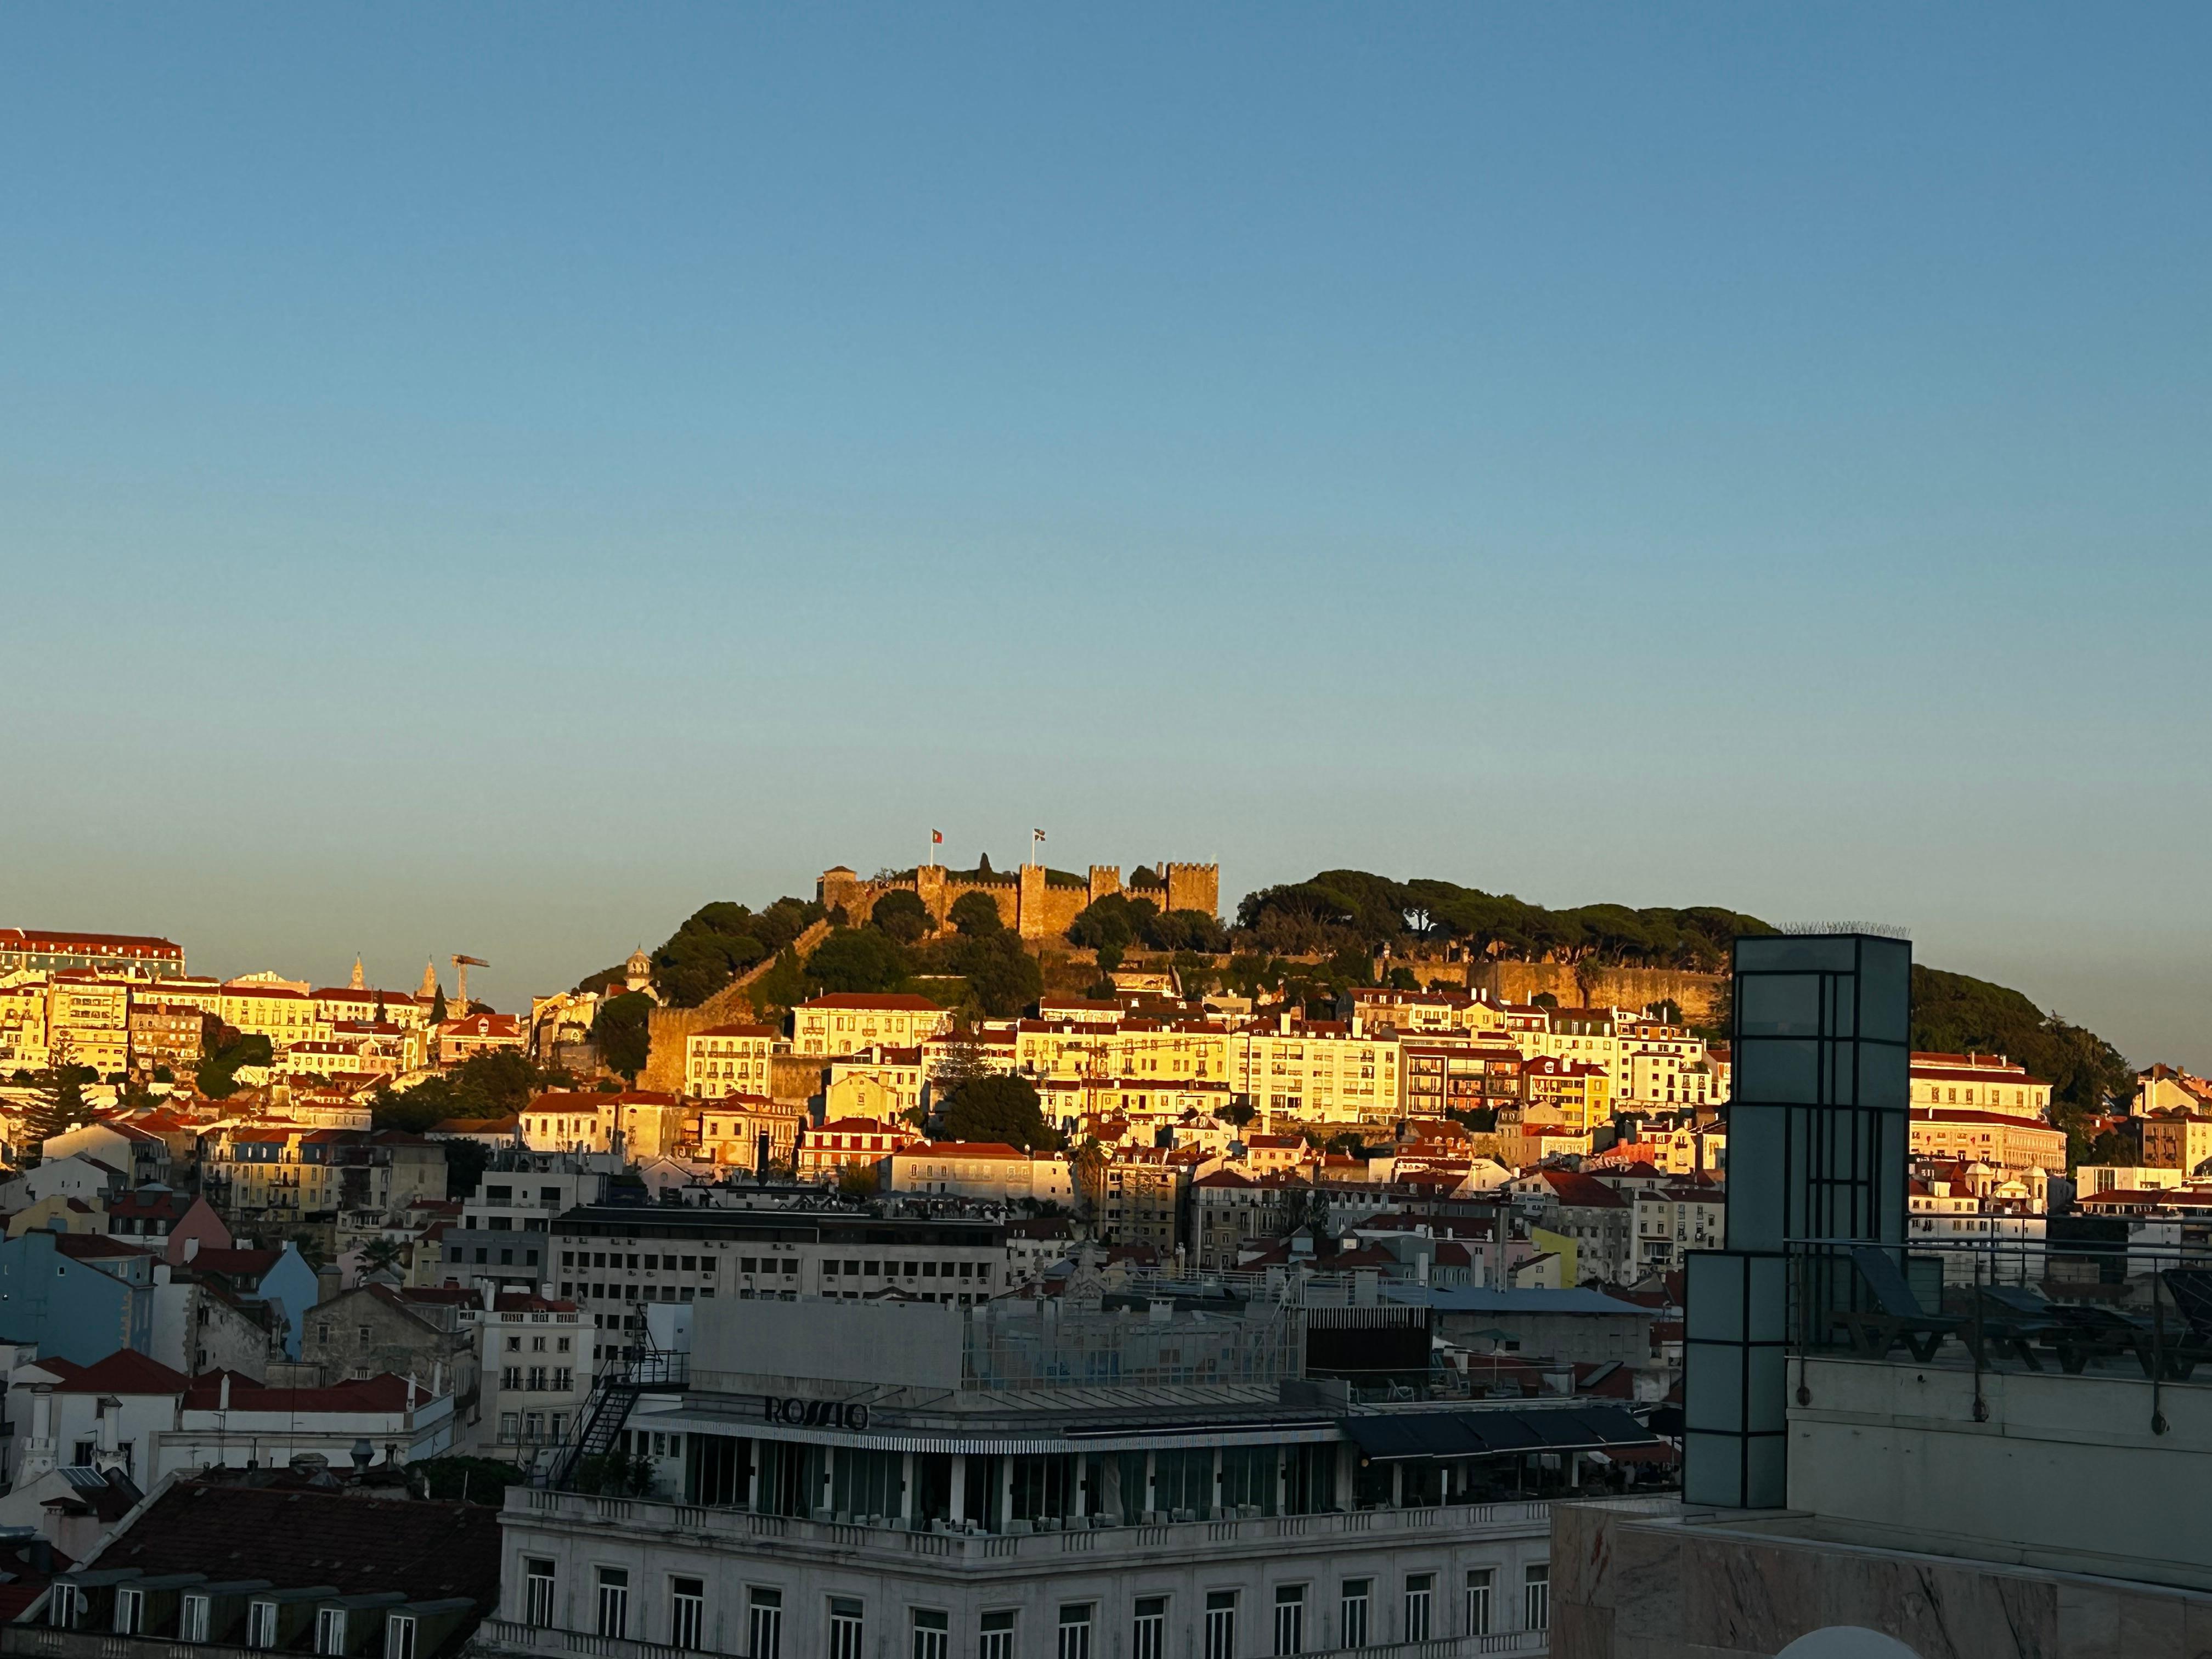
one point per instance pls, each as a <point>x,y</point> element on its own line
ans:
<point>813,1413</point>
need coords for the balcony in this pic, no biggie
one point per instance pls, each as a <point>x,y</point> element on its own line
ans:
<point>503,1635</point>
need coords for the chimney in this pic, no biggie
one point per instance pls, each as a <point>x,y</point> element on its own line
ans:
<point>222,1402</point>
<point>191,1249</point>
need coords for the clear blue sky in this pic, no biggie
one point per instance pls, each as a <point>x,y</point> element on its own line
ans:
<point>493,478</point>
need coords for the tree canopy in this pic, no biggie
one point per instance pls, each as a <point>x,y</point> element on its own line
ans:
<point>1956,1014</point>
<point>998,1108</point>
<point>1353,906</point>
<point>217,1072</point>
<point>57,1107</point>
<point>719,941</point>
<point>975,915</point>
<point>623,1033</point>
<point>492,1084</point>
<point>1004,977</point>
<point>1119,920</point>
<point>859,959</point>
<point>902,915</point>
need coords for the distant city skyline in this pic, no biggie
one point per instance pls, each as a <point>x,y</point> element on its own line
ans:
<point>536,955</point>
<point>492,481</point>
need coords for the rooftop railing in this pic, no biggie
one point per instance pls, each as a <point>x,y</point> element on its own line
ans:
<point>887,1540</point>
<point>2086,1300</point>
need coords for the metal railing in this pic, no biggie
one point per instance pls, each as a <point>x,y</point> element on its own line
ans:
<point>507,1634</point>
<point>2084,1299</point>
<point>895,1542</point>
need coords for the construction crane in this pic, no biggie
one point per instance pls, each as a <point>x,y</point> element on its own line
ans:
<point>461,966</point>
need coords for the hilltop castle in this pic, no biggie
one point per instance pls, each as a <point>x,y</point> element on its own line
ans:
<point>1034,902</point>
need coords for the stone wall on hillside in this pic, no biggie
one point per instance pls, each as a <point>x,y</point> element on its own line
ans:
<point>1699,996</point>
<point>1029,901</point>
<point>668,1028</point>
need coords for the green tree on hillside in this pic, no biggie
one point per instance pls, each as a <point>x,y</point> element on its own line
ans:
<point>56,1106</point>
<point>496,1085</point>
<point>719,941</point>
<point>1003,975</point>
<point>974,915</point>
<point>217,1073</point>
<point>859,959</point>
<point>623,1033</point>
<point>902,915</point>
<point>1954,1013</point>
<point>1004,1108</point>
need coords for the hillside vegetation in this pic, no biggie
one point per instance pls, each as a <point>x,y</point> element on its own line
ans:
<point>1341,908</point>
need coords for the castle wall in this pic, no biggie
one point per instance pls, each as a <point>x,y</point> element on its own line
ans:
<point>1028,903</point>
<point>1699,996</point>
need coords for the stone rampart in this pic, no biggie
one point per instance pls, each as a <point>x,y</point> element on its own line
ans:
<point>1584,985</point>
<point>1030,901</point>
<point>667,1029</point>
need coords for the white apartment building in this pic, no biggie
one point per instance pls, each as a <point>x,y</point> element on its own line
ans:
<point>616,1261</point>
<point>985,1170</point>
<point>1320,1072</point>
<point>924,1482</point>
<point>535,1367</point>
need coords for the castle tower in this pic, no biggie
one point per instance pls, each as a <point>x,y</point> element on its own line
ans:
<point>1193,887</point>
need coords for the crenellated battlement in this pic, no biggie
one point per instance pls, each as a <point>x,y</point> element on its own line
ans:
<point>1033,903</point>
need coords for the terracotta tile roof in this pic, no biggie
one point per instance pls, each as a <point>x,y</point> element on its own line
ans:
<point>89,1247</point>
<point>124,1372</point>
<point>296,1535</point>
<point>248,1265</point>
<point>883,1002</point>
<point>382,1394</point>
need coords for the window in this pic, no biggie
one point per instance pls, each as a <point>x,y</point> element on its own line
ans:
<point>1355,1612</point>
<point>998,1634</point>
<point>1289,1620</point>
<point>845,1628</point>
<point>1420,1590</point>
<point>192,1619</point>
<point>80,1454</point>
<point>932,1633</point>
<point>261,1624</point>
<point>1536,1597</point>
<point>614,1602</point>
<point>1220,1625</point>
<point>764,1623</point>
<point>1074,1631</point>
<point>1477,1599</point>
<point>329,1630</point>
<point>687,1612</point>
<point>130,1612</point>
<point>399,1637</point>
<point>1148,1635</point>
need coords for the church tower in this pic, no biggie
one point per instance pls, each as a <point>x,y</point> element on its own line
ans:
<point>358,981</point>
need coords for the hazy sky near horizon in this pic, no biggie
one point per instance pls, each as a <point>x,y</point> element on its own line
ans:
<point>492,478</point>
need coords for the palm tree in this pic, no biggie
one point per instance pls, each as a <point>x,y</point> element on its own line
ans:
<point>379,1255</point>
